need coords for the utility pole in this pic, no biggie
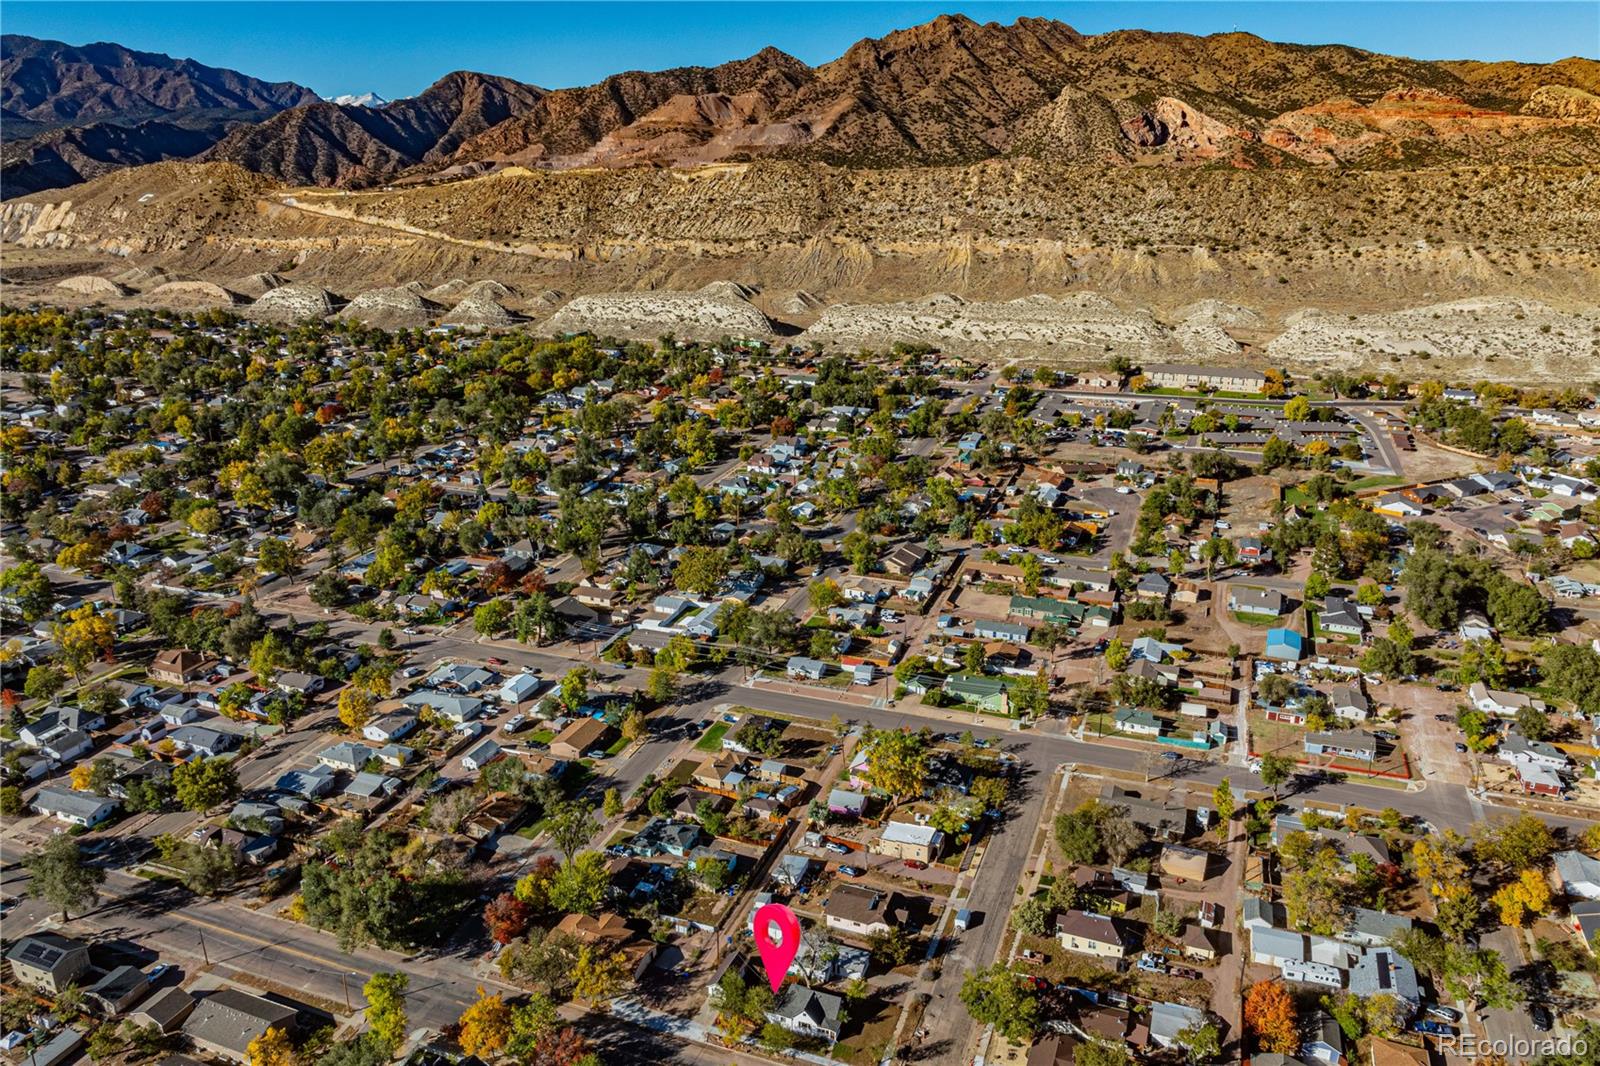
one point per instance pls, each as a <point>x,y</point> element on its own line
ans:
<point>203,952</point>
<point>344,980</point>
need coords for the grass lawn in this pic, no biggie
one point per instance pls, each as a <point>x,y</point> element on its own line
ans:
<point>1261,620</point>
<point>1296,497</point>
<point>681,773</point>
<point>711,740</point>
<point>618,745</point>
<point>543,736</point>
<point>1105,725</point>
<point>1376,481</point>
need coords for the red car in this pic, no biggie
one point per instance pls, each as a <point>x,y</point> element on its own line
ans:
<point>495,662</point>
<point>914,864</point>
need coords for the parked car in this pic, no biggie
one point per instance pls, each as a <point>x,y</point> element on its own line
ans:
<point>1184,973</point>
<point>1443,718</point>
<point>1433,1028</point>
<point>915,864</point>
<point>1541,1017</point>
<point>1152,963</point>
<point>1461,748</point>
<point>837,848</point>
<point>1441,1012</point>
<point>493,661</point>
<point>596,753</point>
<point>851,871</point>
<point>157,972</point>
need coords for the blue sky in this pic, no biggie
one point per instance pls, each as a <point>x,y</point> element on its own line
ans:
<point>397,49</point>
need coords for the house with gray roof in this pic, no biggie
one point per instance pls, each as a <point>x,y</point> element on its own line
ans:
<point>311,783</point>
<point>1275,947</point>
<point>1167,1020</point>
<point>118,990</point>
<point>1577,874</point>
<point>345,755</point>
<point>1245,599</point>
<point>225,1022</point>
<point>1372,928</point>
<point>78,808</point>
<point>165,1011</point>
<point>809,1012</point>
<point>1386,972</point>
<point>48,962</point>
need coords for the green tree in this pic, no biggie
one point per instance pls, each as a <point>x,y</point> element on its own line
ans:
<point>897,761</point>
<point>701,570</point>
<point>1276,770</point>
<point>61,877</point>
<point>386,1009</point>
<point>1223,801</point>
<point>580,885</point>
<point>1117,654</point>
<point>1200,1043</point>
<point>570,826</point>
<point>491,617</point>
<point>201,784</point>
<point>997,996</point>
<point>29,589</point>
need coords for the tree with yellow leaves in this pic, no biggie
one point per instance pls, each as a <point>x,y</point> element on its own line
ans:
<point>271,1048</point>
<point>598,976</point>
<point>82,776</point>
<point>485,1026</point>
<point>355,707</point>
<point>82,637</point>
<point>1439,864</point>
<point>80,556</point>
<point>1442,872</point>
<point>1528,895</point>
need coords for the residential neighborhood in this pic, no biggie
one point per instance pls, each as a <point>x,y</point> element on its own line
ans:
<point>448,696</point>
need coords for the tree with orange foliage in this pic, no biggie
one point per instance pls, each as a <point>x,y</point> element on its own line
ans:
<point>507,917</point>
<point>1269,1013</point>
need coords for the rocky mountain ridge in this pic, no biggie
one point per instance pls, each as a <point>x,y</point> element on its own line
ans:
<point>950,92</point>
<point>73,113</point>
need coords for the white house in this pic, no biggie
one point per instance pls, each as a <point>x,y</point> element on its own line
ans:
<point>78,808</point>
<point>1578,874</point>
<point>480,756</point>
<point>1495,701</point>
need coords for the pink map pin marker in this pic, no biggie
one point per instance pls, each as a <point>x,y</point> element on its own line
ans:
<point>777,955</point>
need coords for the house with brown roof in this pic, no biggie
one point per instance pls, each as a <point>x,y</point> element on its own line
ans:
<point>1088,933</point>
<point>611,932</point>
<point>178,666</point>
<point>581,736</point>
<point>864,911</point>
<point>714,772</point>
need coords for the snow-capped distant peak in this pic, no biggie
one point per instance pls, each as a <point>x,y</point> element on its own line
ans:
<point>358,100</point>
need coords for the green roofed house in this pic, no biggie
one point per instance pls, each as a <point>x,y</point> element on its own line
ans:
<point>1047,609</point>
<point>985,692</point>
<point>1140,723</point>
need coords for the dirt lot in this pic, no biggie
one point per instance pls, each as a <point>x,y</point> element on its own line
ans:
<point>1248,502</point>
<point>1432,743</point>
<point>1432,463</point>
